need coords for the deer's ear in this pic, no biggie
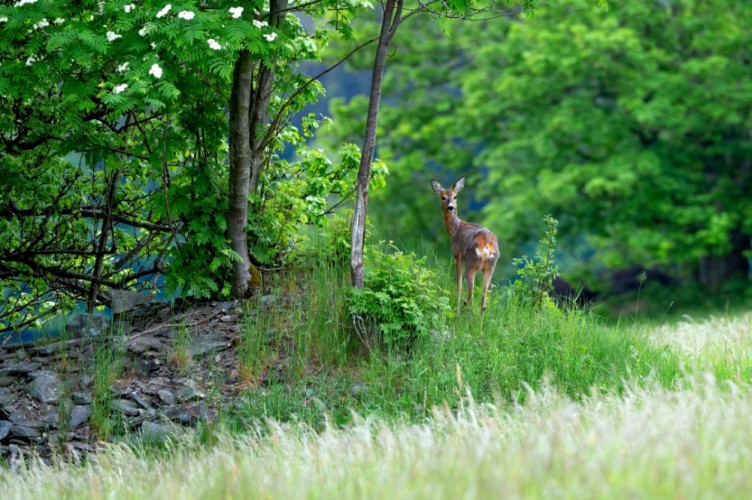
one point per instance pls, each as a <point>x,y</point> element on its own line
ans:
<point>435,185</point>
<point>459,185</point>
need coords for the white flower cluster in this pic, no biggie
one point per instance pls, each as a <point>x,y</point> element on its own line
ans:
<point>143,31</point>
<point>122,68</point>
<point>186,14</point>
<point>24,2</point>
<point>3,19</point>
<point>119,88</point>
<point>260,24</point>
<point>41,24</point>
<point>164,11</point>
<point>236,12</point>
<point>31,60</point>
<point>155,70</point>
<point>213,44</point>
<point>270,37</point>
<point>112,36</point>
<point>59,20</point>
<point>128,8</point>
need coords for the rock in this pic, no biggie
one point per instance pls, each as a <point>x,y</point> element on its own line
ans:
<point>6,380</point>
<point>81,398</point>
<point>157,432</point>
<point>6,396</point>
<point>80,414</point>
<point>140,345</point>
<point>202,347</point>
<point>21,421</point>
<point>191,394</point>
<point>87,325</point>
<point>22,368</point>
<point>45,387</point>
<point>167,397</point>
<point>126,300</point>
<point>4,429</point>
<point>46,350</point>
<point>141,400</point>
<point>228,318</point>
<point>22,432</point>
<point>223,306</point>
<point>187,415</point>
<point>87,380</point>
<point>126,407</point>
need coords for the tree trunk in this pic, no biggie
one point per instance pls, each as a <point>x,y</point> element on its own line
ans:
<point>717,269</point>
<point>240,170</point>
<point>249,114</point>
<point>389,25</point>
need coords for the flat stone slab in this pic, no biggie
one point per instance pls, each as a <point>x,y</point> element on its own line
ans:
<point>203,347</point>
<point>45,387</point>
<point>21,368</point>
<point>5,427</point>
<point>80,414</point>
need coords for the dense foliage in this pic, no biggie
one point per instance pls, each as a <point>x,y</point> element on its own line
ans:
<point>402,300</point>
<point>631,126</point>
<point>114,130</point>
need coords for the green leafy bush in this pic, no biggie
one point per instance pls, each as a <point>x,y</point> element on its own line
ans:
<point>536,276</point>
<point>400,302</point>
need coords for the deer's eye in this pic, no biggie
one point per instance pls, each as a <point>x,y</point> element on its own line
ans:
<point>443,198</point>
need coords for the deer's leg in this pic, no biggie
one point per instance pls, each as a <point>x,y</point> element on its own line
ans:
<point>470,282</point>
<point>488,270</point>
<point>458,265</point>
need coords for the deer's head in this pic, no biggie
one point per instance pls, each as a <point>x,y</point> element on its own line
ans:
<point>448,196</point>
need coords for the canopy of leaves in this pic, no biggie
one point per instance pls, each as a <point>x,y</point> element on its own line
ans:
<point>630,125</point>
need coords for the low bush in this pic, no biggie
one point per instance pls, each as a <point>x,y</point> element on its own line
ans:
<point>402,299</point>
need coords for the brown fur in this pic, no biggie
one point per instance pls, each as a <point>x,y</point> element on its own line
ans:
<point>473,246</point>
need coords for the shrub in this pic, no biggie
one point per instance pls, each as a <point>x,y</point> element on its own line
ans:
<point>401,300</point>
<point>536,276</point>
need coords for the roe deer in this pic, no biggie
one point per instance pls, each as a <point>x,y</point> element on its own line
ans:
<point>472,245</point>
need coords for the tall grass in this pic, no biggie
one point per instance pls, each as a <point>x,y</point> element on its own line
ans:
<point>645,442</point>
<point>328,371</point>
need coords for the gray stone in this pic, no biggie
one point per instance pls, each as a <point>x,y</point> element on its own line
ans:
<point>80,414</point>
<point>4,429</point>
<point>22,432</point>
<point>87,325</point>
<point>21,368</point>
<point>204,346</point>
<point>127,408</point>
<point>45,387</point>
<point>21,421</point>
<point>228,318</point>
<point>191,394</point>
<point>187,415</point>
<point>140,345</point>
<point>141,400</point>
<point>6,380</point>
<point>46,350</point>
<point>126,300</point>
<point>81,398</point>
<point>223,306</point>
<point>167,397</point>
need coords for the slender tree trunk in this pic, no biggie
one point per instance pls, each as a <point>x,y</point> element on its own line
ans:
<point>104,235</point>
<point>240,169</point>
<point>249,114</point>
<point>390,21</point>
